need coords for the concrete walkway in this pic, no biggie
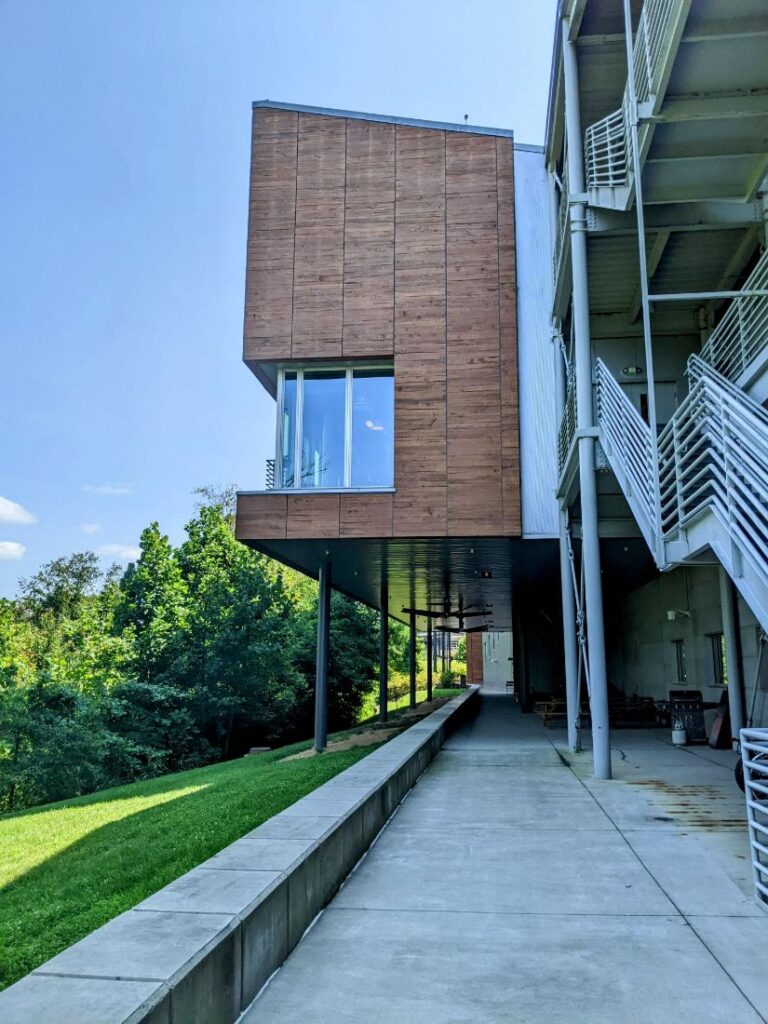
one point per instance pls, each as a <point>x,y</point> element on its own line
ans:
<point>507,889</point>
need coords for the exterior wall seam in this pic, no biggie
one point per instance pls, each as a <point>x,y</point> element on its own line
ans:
<point>293,261</point>
<point>445,266</point>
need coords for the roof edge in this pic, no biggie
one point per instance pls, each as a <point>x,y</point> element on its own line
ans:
<point>412,122</point>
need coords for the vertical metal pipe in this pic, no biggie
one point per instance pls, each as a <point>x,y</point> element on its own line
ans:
<point>429,661</point>
<point>570,643</point>
<point>412,660</point>
<point>732,660</point>
<point>601,743</point>
<point>321,666</point>
<point>643,261</point>
<point>384,651</point>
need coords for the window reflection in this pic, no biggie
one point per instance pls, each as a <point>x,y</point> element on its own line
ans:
<point>372,428</point>
<point>322,446</point>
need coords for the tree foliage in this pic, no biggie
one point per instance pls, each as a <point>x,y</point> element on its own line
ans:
<point>193,654</point>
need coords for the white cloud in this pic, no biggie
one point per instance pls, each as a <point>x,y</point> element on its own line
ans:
<point>114,489</point>
<point>90,527</point>
<point>10,551</point>
<point>122,552</point>
<point>12,512</point>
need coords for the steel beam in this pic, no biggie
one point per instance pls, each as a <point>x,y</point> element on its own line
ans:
<point>384,650</point>
<point>732,659</point>
<point>321,666</point>
<point>601,744</point>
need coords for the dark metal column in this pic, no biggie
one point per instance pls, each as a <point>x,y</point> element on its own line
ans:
<point>384,652</point>
<point>412,660</point>
<point>429,661</point>
<point>321,669</point>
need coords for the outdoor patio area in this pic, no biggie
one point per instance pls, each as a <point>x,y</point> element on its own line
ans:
<point>511,886</point>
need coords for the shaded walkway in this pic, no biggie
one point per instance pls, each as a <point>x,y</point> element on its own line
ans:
<point>502,891</point>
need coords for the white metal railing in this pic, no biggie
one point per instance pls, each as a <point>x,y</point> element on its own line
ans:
<point>713,456</point>
<point>607,143</point>
<point>656,22</point>
<point>567,430</point>
<point>607,151</point>
<point>627,437</point>
<point>561,226</point>
<point>754,754</point>
<point>742,334</point>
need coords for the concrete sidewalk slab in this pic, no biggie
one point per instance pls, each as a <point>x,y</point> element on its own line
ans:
<point>507,889</point>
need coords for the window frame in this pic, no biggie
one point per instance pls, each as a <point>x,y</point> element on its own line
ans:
<point>719,659</point>
<point>682,668</point>
<point>349,371</point>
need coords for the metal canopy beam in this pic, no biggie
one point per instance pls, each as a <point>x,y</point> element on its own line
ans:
<point>712,108</point>
<point>707,215</point>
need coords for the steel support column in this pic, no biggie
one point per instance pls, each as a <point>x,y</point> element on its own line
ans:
<point>643,264</point>
<point>570,643</point>
<point>429,661</point>
<point>732,659</point>
<point>601,743</point>
<point>321,668</point>
<point>412,660</point>
<point>384,651</point>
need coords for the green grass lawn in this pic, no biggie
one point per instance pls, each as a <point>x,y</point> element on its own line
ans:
<point>69,867</point>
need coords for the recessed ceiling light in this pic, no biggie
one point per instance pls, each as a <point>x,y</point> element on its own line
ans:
<point>486,574</point>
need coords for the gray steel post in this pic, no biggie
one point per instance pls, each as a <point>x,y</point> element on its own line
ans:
<point>570,643</point>
<point>384,652</point>
<point>590,546</point>
<point>412,660</point>
<point>732,660</point>
<point>321,669</point>
<point>643,265</point>
<point>429,661</point>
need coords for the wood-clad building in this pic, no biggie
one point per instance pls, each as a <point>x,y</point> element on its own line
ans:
<point>381,246</point>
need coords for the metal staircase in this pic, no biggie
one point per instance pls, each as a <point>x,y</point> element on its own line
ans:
<point>738,346</point>
<point>711,488</point>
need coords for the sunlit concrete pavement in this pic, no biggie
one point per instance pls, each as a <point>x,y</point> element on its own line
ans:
<point>510,887</point>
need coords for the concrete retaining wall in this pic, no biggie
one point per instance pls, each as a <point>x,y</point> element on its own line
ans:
<point>199,950</point>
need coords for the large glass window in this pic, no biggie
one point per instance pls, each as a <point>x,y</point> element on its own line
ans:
<point>340,421</point>
<point>373,421</point>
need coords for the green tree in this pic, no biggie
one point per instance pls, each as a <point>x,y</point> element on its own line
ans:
<point>237,647</point>
<point>152,604</point>
<point>61,585</point>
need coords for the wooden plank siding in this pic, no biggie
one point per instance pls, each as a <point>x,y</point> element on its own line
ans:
<point>370,240</point>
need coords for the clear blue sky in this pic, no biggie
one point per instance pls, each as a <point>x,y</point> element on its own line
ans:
<point>124,129</point>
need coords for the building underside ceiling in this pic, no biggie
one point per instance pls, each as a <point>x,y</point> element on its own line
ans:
<point>425,573</point>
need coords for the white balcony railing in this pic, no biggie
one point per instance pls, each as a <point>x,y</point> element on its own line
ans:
<point>742,334</point>
<point>567,430</point>
<point>607,151</point>
<point>607,143</point>
<point>561,227</point>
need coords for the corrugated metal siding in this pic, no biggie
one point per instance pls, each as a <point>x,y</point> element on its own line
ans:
<point>538,428</point>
